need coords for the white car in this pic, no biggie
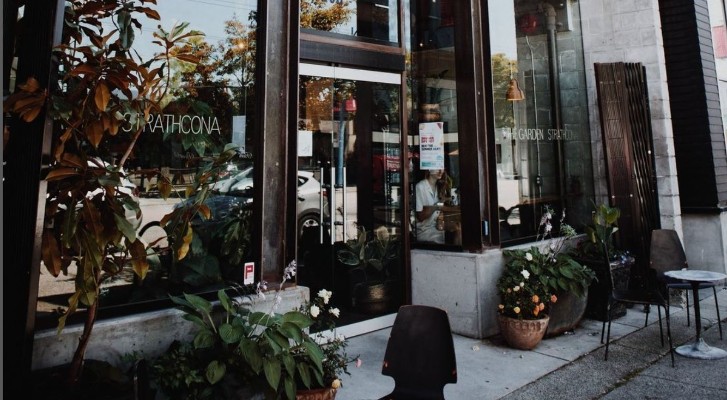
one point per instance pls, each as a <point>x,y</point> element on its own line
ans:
<point>309,188</point>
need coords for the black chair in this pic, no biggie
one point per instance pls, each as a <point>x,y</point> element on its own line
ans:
<point>420,354</point>
<point>667,254</point>
<point>647,293</point>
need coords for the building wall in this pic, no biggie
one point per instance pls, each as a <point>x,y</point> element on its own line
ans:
<point>630,31</point>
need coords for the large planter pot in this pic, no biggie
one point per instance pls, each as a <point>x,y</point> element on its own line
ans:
<point>522,334</point>
<point>316,394</point>
<point>372,299</point>
<point>600,288</point>
<point>566,313</point>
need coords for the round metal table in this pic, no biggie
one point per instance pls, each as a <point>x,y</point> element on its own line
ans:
<point>699,348</point>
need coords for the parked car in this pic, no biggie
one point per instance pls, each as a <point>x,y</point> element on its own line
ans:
<point>233,191</point>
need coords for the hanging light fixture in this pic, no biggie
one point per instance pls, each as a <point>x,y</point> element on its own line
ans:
<point>514,93</point>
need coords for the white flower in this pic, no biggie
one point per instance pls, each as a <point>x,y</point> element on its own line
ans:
<point>522,284</point>
<point>336,312</point>
<point>525,273</point>
<point>289,271</point>
<point>314,311</point>
<point>325,295</point>
<point>548,227</point>
<point>528,256</point>
<point>516,288</point>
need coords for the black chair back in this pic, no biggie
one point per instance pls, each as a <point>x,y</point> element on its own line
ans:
<point>420,353</point>
<point>667,252</point>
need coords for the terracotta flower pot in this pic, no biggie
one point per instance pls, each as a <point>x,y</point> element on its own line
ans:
<point>522,334</point>
<point>316,394</point>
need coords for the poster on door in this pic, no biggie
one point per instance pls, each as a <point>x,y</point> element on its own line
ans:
<point>431,145</point>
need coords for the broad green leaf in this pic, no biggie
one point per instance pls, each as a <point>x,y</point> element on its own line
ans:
<point>289,364</point>
<point>225,300</point>
<point>291,331</point>
<point>272,372</point>
<point>215,372</point>
<point>289,385</point>
<point>315,353</point>
<point>199,303</point>
<point>304,374</point>
<point>204,340</point>
<point>299,319</point>
<point>274,345</point>
<point>125,227</point>
<point>230,334</point>
<point>252,354</point>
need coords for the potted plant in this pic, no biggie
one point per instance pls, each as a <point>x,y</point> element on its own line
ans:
<point>550,270</point>
<point>370,260</point>
<point>240,353</point>
<point>604,224</point>
<point>103,82</point>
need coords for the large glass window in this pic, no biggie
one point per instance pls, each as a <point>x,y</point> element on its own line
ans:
<point>374,20</point>
<point>433,133</point>
<point>542,135</point>
<point>208,108</point>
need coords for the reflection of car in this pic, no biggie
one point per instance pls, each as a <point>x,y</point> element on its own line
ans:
<point>237,189</point>
<point>126,186</point>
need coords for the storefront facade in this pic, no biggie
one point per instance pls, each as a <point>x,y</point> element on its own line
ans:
<point>339,110</point>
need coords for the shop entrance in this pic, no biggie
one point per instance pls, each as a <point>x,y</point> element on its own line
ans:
<point>349,192</point>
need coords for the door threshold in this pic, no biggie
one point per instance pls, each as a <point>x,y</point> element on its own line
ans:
<point>363,327</point>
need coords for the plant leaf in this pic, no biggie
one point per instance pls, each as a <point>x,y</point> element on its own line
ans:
<point>272,372</point>
<point>102,96</point>
<point>215,371</point>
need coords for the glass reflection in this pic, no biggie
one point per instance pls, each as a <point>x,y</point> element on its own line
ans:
<point>371,19</point>
<point>208,108</point>
<point>542,136</point>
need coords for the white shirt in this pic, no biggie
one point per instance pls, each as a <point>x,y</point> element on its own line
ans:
<point>426,231</point>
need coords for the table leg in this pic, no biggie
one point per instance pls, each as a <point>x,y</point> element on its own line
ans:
<point>699,348</point>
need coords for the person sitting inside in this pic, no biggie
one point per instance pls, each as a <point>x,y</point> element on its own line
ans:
<point>431,193</point>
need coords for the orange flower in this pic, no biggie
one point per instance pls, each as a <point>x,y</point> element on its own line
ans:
<point>536,299</point>
<point>553,299</point>
<point>541,306</point>
<point>536,310</point>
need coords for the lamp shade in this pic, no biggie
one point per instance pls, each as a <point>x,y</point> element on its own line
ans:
<point>514,93</point>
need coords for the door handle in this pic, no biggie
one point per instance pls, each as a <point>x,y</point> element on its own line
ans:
<point>320,207</point>
<point>343,190</point>
<point>333,205</point>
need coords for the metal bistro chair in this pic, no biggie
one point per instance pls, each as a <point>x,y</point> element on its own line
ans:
<point>667,254</point>
<point>420,354</point>
<point>647,294</point>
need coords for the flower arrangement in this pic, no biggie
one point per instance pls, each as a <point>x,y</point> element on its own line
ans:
<point>533,277</point>
<point>336,360</point>
<point>237,351</point>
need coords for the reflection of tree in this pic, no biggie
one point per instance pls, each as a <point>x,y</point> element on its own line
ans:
<point>322,15</point>
<point>217,86</point>
<point>500,79</point>
<point>237,54</point>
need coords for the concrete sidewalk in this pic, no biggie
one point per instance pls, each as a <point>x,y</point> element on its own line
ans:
<point>570,366</point>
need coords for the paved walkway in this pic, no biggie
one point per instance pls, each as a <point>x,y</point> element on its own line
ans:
<point>569,366</point>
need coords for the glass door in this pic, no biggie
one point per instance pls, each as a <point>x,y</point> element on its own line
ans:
<point>349,176</point>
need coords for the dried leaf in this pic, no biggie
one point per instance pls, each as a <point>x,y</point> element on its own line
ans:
<point>61,173</point>
<point>138,260</point>
<point>186,241</point>
<point>102,96</point>
<point>51,254</point>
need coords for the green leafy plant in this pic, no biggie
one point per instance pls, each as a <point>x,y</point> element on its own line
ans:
<point>235,347</point>
<point>373,253</point>
<point>104,86</point>
<point>532,278</point>
<point>604,224</point>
